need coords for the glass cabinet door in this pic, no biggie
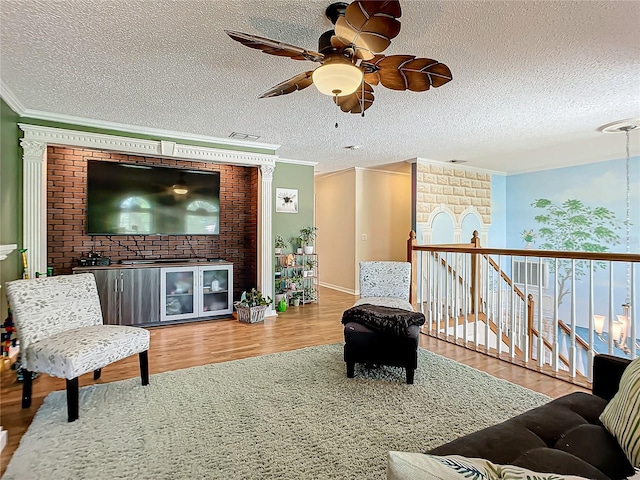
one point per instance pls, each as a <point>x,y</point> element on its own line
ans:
<point>216,296</point>
<point>178,288</point>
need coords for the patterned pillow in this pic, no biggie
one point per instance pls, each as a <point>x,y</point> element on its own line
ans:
<point>622,415</point>
<point>419,466</point>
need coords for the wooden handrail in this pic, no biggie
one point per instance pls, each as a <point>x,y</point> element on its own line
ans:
<point>547,344</point>
<point>504,276</point>
<point>579,339</point>
<point>613,257</point>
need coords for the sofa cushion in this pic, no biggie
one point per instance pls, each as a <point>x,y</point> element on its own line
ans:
<point>596,446</point>
<point>557,461</point>
<point>538,430</point>
<point>622,415</point>
<point>418,466</point>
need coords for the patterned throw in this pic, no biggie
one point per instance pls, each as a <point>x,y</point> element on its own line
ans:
<point>622,415</point>
<point>412,466</point>
<point>395,321</point>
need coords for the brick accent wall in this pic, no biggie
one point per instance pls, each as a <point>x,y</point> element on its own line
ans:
<point>66,217</point>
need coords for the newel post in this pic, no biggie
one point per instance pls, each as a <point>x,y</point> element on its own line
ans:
<point>475,241</point>
<point>412,257</point>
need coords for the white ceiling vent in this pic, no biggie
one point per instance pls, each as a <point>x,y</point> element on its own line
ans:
<point>243,136</point>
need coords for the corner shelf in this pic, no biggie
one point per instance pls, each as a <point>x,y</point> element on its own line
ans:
<point>292,273</point>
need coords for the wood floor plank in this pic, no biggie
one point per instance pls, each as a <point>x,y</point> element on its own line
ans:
<point>188,345</point>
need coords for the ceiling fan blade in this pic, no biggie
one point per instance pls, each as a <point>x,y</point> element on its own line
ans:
<point>406,72</point>
<point>352,103</point>
<point>369,26</point>
<point>273,47</point>
<point>299,82</point>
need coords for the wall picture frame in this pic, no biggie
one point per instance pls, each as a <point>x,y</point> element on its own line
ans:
<point>286,200</point>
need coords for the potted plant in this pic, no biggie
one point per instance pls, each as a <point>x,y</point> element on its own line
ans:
<point>296,243</point>
<point>252,306</point>
<point>310,294</point>
<point>308,267</point>
<point>296,296</point>
<point>307,237</point>
<point>280,244</point>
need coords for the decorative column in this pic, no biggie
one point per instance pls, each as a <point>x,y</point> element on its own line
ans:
<point>34,201</point>
<point>265,248</point>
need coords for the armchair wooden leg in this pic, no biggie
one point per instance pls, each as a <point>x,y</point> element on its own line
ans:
<point>144,367</point>
<point>27,379</point>
<point>72,399</point>
<point>97,373</point>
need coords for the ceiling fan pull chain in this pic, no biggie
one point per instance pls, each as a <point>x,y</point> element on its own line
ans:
<point>338,106</point>
<point>362,99</point>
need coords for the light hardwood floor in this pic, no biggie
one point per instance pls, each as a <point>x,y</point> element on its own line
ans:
<point>187,345</point>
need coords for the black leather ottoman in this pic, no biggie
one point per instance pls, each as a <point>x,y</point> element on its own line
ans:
<point>365,345</point>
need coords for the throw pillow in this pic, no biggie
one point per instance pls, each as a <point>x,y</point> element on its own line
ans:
<point>419,466</point>
<point>621,416</point>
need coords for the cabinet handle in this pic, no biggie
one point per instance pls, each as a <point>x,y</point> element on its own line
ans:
<point>122,284</point>
<point>115,284</point>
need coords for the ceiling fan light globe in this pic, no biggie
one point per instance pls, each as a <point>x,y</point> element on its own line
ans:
<point>337,77</point>
<point>180,189</point>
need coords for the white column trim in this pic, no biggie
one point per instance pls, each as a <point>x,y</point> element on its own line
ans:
<point>34,204</point>
<point>265,250</point>
<point>37,138</point>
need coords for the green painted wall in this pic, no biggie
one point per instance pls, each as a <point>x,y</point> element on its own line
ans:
<point>10,197</point>
<point>83,128</point>
<point>298,177</point>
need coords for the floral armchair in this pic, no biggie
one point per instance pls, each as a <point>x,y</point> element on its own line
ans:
<point>61,333</point>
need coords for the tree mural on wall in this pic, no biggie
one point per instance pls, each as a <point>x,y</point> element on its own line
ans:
<point>576,227</point>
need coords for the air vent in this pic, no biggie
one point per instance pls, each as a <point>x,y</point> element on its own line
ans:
<point>529,274</point>
<point>243,136</point>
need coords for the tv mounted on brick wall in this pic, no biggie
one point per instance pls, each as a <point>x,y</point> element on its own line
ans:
<point>125,199</point>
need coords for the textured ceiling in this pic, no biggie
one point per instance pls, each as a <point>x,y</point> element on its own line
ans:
<point>532,81</point>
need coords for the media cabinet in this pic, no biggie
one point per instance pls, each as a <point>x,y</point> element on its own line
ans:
<point>142,292</point>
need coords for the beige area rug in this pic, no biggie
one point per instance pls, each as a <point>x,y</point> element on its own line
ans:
<point>291,415</point>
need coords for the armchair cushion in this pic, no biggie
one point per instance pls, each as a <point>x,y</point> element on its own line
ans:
<point>385,279</point>
<point>393,302</point>
<point>75,352</point>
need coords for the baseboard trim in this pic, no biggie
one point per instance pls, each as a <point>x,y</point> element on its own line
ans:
<point>339,288</point>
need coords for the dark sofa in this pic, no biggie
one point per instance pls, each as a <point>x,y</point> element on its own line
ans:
<point>564,436</point>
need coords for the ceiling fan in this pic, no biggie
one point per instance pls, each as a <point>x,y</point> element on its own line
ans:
<point>350,57</point>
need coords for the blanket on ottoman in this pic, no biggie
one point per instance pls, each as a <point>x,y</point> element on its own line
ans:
<point>389,320</point>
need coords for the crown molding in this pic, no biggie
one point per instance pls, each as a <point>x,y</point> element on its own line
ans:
<point>382,170</point>
<point>135,146</point>
<point>456,165</point>
<point>156,132</point>
<point>297,162</point>
<point>8,96</point>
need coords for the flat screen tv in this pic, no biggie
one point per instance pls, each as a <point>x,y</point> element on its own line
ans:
<point>124,199</point>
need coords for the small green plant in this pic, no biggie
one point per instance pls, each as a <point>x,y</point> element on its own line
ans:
<point>310,263</point>
<point>280,242</point>
<point>254,298</point>
<point>528,235</point>
<point>308,235</point>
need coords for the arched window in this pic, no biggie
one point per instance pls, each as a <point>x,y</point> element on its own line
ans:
<point>135,216</point>
<point>202,217</point>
